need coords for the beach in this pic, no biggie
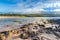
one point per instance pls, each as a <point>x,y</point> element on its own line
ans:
<point>9,17</point>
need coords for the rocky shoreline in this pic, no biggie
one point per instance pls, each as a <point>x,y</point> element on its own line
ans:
<point>41,30</point>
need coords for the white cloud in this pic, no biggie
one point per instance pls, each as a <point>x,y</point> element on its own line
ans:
<point>24,7</point>
<point>29,10</point>
<point>34,10</point>
<point>56,10</point>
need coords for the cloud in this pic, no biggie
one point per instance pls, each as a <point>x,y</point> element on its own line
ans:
<point>36,6</point>
<point>56,10</point>
<point>29,10</point>
<point>34,10</point>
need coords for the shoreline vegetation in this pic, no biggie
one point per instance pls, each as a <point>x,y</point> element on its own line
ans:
<point>30,15</point>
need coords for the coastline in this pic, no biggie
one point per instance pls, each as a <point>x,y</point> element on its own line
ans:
<point>29,17</point>
<point>10,17</point>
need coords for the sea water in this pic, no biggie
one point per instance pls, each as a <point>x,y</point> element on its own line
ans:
<point>25,19</point>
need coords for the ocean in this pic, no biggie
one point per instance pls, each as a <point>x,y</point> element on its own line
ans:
<point>27,19</point>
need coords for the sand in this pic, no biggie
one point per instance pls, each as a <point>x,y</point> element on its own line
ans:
<point>9,17</point>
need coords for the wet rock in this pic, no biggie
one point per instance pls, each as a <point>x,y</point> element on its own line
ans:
<point>32,34</point>
<point>35,38</point>
<point>24,36</point>
<point>24,28</point>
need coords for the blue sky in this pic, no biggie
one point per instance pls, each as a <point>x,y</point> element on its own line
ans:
<point>29,6</point>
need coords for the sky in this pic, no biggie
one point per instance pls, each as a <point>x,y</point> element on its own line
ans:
<point>29,6</point>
